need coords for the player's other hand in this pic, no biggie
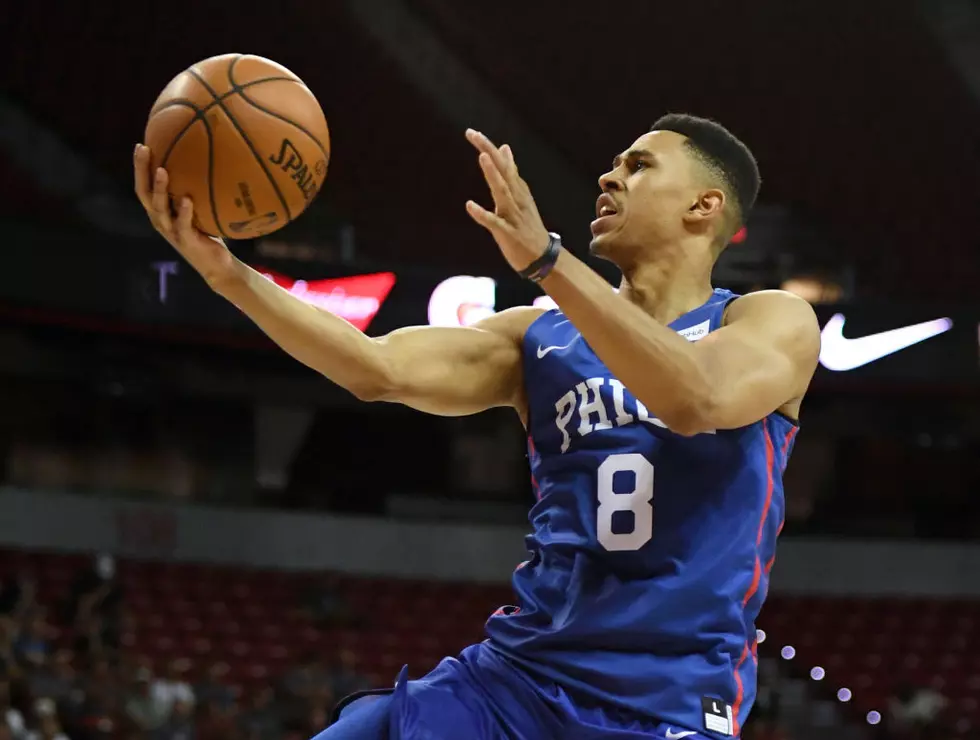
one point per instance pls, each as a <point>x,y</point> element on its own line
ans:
<point>209,256</point>
<point>515,223</point>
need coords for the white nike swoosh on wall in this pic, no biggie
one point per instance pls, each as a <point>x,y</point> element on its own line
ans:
<point>838,353</point>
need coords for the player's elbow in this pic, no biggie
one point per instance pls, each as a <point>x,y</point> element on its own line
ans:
<point>374,387</point>
<point>369,392</point>
<point>695,415</point>
<point>374,378</point>
<point>686,424</point>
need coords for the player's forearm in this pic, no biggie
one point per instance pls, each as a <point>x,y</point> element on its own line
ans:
<point>655,363</point>
<point>324,342</point>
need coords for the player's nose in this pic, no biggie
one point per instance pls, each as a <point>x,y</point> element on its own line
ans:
<point>609,183</point>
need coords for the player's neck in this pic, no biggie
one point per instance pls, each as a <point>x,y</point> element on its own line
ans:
<point>670,286</point>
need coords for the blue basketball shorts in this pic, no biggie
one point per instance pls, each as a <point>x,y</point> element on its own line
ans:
<point>482,696</point>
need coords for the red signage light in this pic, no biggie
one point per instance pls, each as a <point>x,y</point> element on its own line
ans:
<point>357,298</point>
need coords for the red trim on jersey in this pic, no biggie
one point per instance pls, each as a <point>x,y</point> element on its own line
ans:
<point>786,442</point>
<point>772,560</point>
<point>770,485</point>
<point>740,695</point>
<point>534,481</point>
<point>770,482</point>
<point>756,579</point>
<point>757,573</point>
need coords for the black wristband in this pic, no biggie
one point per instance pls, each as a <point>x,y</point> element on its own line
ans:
<point>539,269</point>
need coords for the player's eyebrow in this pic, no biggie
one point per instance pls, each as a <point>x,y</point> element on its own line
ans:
<point>631,154</point>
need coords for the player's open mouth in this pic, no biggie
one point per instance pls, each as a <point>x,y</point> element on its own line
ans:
<point>605,206</point>
<point>605,210</point>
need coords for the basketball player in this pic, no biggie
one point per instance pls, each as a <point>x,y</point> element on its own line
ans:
<point>659,422</point>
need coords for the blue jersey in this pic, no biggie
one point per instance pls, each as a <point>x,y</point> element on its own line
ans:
<point>650,551</point>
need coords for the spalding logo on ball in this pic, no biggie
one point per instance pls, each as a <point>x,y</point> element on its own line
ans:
<point>245,139</point>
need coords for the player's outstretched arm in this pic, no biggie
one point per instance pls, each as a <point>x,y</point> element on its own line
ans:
<point>449,371</point>
<point>445,371</point>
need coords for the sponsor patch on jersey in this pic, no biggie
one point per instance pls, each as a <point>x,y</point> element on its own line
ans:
<point>696,332</point>
<point>718,716</point>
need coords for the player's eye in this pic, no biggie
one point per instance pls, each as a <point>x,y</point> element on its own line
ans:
<point>637,164</point>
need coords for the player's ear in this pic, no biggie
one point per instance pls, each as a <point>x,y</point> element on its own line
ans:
<point>708,204</point>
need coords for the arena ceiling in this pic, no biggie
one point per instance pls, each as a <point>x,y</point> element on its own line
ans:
<point>855,114</point>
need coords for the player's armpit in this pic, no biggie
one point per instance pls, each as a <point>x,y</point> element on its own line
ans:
<point>763,357</point>
<point>455,371</point>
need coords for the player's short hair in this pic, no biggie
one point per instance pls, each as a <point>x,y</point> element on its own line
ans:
<point>723,154</point>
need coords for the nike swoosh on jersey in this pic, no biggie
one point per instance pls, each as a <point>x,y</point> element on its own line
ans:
<point>671,735</point>
<point>839,353</point>
<point>542,351</point>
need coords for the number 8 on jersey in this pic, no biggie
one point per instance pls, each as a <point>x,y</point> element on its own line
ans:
<point>638,501</point>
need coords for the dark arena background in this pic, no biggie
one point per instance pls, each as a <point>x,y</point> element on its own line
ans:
<point>201,539</point>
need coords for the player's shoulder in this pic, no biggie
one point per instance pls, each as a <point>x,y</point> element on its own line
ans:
<point>772,307</point>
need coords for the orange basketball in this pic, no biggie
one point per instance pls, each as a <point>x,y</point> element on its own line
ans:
<point>245,139</point>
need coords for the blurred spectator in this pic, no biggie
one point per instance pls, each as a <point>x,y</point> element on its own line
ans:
<point>47,725</point>
<point>327,606</point>
<point>95,605</point>
<point>31,646</point>
<point>261,721</point>
<point>94,719</point>
<point>217,723</point>
<point>180,723</point>
<point>14,720</point>
<point>213,689</point>
<point>345,677</point>
<point>172,686</point>
<point>55,680</point>
<point>306,680</point>
<point>915,710</point>
<point>316,720</point>
<point>145,710</point>
<point>106,681</point>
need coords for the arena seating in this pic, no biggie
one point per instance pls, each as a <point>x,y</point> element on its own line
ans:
<point>250,619</point>
<point>871,645</point>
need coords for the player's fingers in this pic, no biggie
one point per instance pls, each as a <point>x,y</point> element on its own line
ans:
<point>142,180</point>
<point>518,187</point>
<point>490,221</point>
<point>185,220</point>
<point>160,201</point>
<point>498,185</point>
<point>508,154</point>
<point>485,146</point>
